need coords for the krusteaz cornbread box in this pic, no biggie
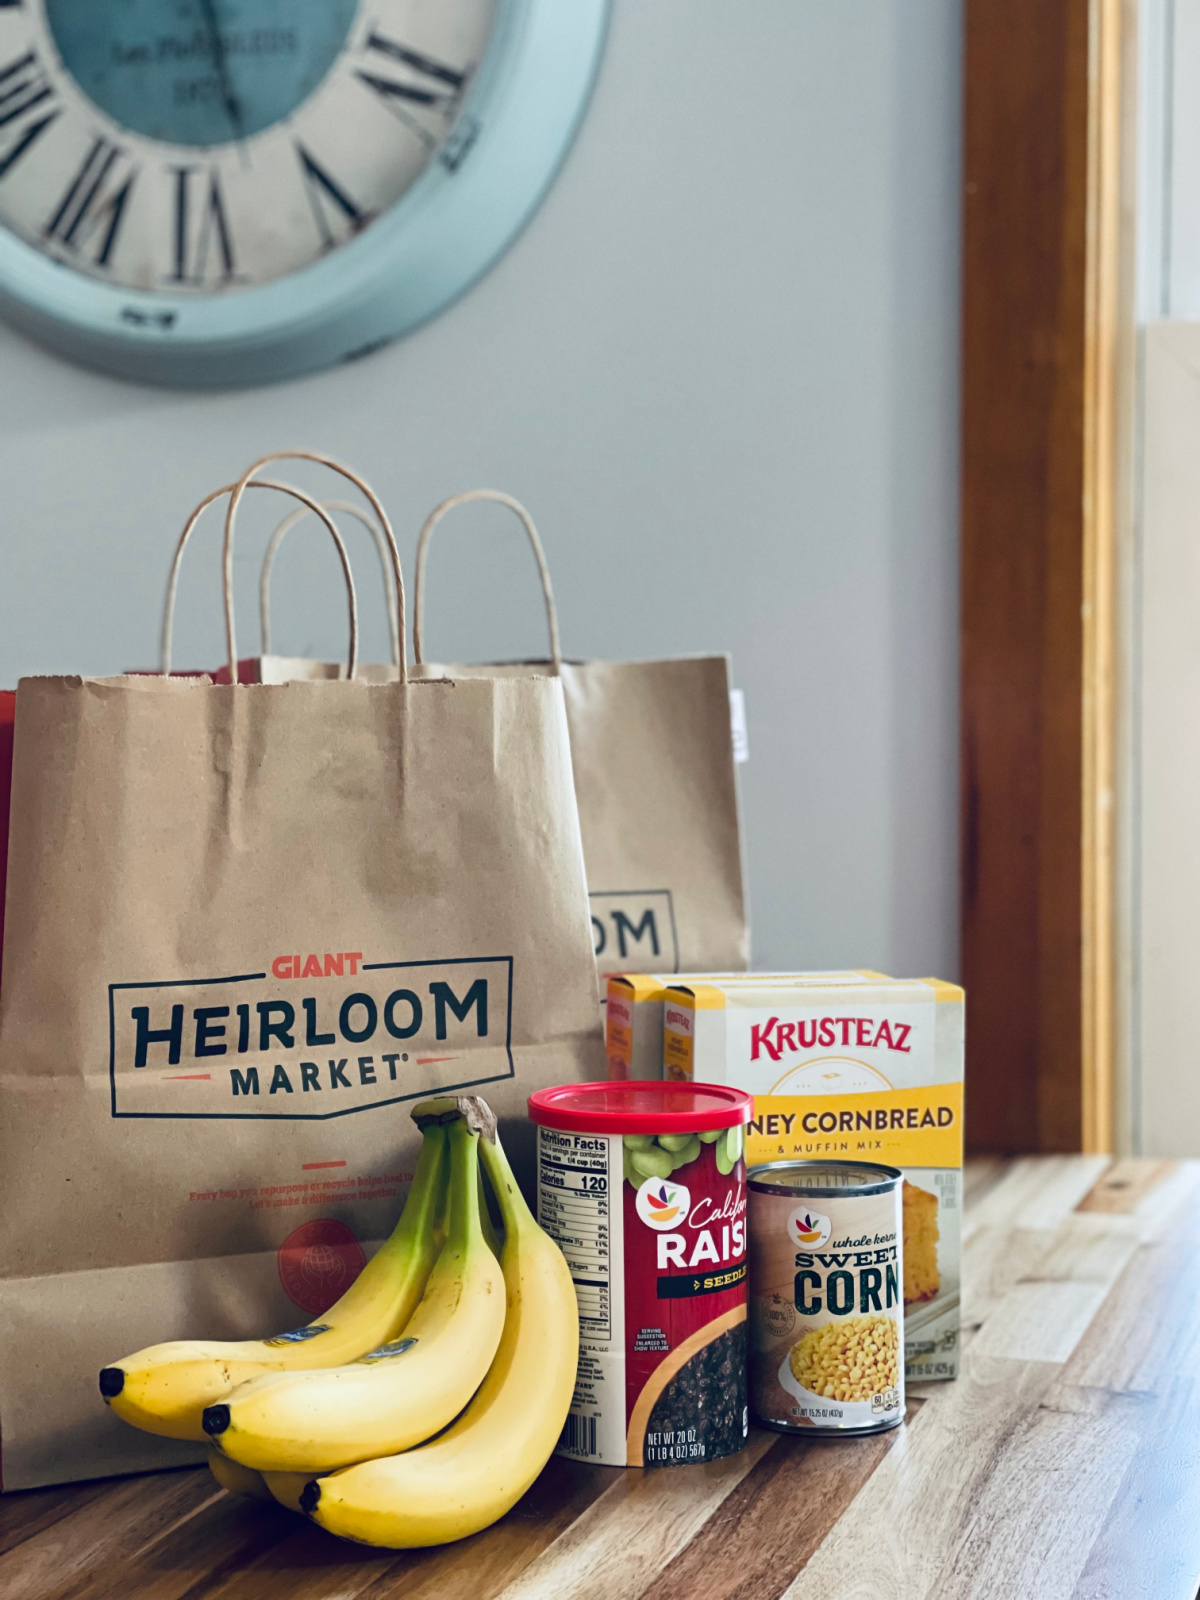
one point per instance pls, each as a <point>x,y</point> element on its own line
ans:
<point>858,1066</point>
<point>633,1020</point>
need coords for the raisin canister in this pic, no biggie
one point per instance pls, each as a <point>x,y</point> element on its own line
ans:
<point>643,1185</point>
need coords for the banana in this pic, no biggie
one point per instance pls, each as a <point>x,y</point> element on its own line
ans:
<point>231,1475</point>
<point>276,1488</point>
<point>479,1468</point>
<point>485,1219</point>
<point>284,1487</point>
<point>401,1393</point>
<point>165,1388</point>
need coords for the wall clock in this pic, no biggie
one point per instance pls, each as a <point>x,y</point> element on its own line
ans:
<point>210,192</point>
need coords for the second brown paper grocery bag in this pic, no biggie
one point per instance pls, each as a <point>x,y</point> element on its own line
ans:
<point>247,926</point>
<point>652,748</point>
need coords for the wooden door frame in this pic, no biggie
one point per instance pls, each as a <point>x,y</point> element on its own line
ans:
<point>1048,372</point>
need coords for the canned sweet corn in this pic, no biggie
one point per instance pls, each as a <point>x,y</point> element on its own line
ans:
<point>826,1296</point>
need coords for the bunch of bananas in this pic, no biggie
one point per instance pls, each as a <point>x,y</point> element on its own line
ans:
<point>650,1156</point>
<point>347,1418</point>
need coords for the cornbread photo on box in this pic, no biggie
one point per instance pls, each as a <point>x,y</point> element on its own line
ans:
<point>853,1066</point>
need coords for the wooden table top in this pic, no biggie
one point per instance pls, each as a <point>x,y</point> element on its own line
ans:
<point>1064,1464</point>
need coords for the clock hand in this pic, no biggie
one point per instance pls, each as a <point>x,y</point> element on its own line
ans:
<point>230,100</point>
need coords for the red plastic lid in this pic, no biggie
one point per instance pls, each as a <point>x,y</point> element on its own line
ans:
<point>648,1106</point>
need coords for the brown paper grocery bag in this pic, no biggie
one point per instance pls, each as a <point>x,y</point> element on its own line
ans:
<point>652,749</point>
<point>247,926</point>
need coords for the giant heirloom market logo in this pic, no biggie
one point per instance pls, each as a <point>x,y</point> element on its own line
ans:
<point>316,1035</point>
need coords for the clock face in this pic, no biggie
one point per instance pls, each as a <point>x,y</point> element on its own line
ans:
<point>199,147</point>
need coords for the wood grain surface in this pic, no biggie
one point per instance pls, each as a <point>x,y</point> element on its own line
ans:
<point>1064,1464</point>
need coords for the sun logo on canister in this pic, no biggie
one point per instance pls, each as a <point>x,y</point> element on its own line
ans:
<point>663,1205</point>
<point>807,1228</point>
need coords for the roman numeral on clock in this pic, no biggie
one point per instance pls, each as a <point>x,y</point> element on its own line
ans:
<point>201,231</point>
<point>335,213</point>
<point>426,83</point>
<point>94,203</point>
<point>24,88</point>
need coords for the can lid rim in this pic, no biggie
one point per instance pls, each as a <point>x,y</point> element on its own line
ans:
<point>884,1179</point>
<point>632,1105</point>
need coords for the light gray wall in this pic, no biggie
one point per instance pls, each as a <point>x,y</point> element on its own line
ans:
<point>721,368</point>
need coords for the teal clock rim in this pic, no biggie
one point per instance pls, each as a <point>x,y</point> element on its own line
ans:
<point>441,237</point>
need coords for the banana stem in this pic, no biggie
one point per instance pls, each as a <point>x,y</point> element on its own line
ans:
<point>485,1218</point>
<point>426,1197</point>
<point>514,1213</point>
<point>480,1116</point>
<point>464,1185</point>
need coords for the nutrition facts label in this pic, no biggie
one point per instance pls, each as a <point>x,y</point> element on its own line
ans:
<point>573,1207</point>
<point>579,1205</point>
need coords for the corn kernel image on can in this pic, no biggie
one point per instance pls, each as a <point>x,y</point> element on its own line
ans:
<point>826,1296</point>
